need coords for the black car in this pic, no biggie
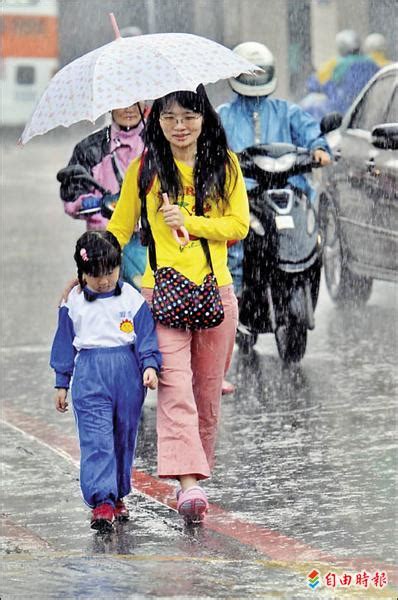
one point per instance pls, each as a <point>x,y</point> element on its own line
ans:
<point>359,195</point>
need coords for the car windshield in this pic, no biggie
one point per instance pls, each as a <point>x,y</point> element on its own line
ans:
<point>392,112</point>
<point>372,109</point>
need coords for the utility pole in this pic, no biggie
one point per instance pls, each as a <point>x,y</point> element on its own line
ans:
<point>151,16</point>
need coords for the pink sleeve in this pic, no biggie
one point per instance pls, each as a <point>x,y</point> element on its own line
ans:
<point>72,208</point>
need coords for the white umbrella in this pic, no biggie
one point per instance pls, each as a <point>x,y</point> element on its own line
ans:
<point>129,70</point>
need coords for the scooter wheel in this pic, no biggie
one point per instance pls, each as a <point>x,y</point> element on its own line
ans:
<point>246,342</point>
<point>291,341</point>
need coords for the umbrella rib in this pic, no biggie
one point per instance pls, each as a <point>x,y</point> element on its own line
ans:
<point>159,54</point>
<point>93,91</point>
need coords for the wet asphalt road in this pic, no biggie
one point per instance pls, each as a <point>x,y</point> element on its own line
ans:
<point>307,457</point>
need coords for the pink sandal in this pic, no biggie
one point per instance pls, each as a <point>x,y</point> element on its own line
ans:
<point>192,504</point>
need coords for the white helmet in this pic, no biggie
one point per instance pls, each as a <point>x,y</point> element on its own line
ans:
<point>347,42</point>
<point>375,42</point>
<point>261,84</point>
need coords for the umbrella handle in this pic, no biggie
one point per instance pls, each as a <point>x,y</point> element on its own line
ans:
<point>114,25</point>
<point>166,202</point>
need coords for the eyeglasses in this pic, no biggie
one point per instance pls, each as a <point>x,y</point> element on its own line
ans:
<point>171,120</point>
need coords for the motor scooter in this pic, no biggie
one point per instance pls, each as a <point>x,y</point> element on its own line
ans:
<point>282,252</point>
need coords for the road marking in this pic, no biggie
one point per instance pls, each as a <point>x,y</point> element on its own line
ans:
<point>273,544</point>
<point>13,531</point>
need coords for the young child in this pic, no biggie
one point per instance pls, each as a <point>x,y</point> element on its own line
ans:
<point>106,339</point>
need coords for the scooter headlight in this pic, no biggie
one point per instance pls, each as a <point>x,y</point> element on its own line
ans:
<point>256,225</point>
<point>284,163</point>
<point>275,165</point>
<point>311,221</point>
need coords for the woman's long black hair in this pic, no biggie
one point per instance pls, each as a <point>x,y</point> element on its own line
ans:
<point>212,159</point>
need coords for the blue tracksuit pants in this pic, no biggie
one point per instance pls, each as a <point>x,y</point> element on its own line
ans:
<point>107,395</point>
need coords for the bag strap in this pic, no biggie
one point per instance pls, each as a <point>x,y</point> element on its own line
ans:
<point>206,250</point>
<point>152,251</point>
<point>145,229</point>
<point>116,169</point>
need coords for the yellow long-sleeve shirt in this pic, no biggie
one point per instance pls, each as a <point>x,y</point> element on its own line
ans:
<point>219,224</point>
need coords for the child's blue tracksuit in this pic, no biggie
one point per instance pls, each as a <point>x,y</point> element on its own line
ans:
<point>106,344</point>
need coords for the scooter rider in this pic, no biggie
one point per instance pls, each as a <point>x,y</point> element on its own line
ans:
<point>375,46</point>
<point>105,155</point>
<point>254,118</point>
<point>351,72</point>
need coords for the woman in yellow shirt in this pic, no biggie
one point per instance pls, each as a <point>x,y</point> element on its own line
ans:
<point>186,155</point>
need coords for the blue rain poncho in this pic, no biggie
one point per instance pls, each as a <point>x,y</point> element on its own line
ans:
<point>279,121</point>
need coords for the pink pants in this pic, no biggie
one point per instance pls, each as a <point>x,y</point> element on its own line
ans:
<point>189,394</point>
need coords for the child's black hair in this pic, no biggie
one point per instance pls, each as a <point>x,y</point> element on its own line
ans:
<point>97,253</point>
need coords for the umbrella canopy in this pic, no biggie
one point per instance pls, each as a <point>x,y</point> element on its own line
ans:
<point>129,70</point>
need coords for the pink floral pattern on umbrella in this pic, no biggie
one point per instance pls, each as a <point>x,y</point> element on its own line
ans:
<point>128,70</point>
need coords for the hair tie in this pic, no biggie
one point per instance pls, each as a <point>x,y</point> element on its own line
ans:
<point>83,254</point>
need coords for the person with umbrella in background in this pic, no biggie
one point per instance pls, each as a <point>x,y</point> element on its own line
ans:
<point>105,155</point>
<point>187,181</point>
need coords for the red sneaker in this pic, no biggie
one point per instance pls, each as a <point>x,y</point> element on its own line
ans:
<point>102,518</point>
<point>121,511</point>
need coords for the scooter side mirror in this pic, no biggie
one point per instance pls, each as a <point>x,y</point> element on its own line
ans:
<point>330,122</point>
<point>79,174</point>
<point>71,171</point>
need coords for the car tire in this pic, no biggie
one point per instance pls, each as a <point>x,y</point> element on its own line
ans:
<point>343,285</point>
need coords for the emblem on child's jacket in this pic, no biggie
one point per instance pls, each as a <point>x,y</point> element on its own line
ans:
<point>126,323</point>
<point>126,326</point>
